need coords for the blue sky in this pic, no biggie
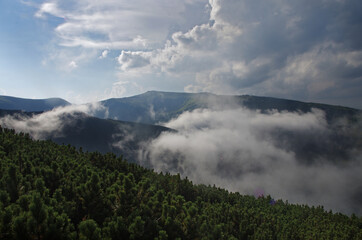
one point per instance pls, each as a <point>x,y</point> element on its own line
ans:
<point>88,50</point>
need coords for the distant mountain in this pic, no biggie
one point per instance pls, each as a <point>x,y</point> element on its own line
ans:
<point>134,118</point>
<point>344,133</point>
<point>94,134</point>
<point>268,103</point>
<point>154,107</point>
<point>150,107</point>
<point>81,130</point>
<point>31,105</point>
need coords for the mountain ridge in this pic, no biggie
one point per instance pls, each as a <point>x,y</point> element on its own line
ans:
<point>84,131</point>
<point>304,140</point>
<point>156,106</point>
<point>31,105</point>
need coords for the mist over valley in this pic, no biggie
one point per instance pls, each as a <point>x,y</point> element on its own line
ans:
<point>305,153</point>
<point>181,119</point>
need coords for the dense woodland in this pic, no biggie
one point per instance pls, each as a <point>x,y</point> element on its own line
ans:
<point>50,191</point>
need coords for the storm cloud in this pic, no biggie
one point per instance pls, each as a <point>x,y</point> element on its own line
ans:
<point>242,150</point>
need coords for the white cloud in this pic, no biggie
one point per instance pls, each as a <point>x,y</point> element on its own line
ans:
<point>117,24</point>
<point>227,46</point>
<point>43,125</point>
<point>243,151</point>
<point>129,60</point>
<point>49,8</point>
<point>72,65</point>
<point>104,54</point>
<point>123,89</point>
<point>268,48</point>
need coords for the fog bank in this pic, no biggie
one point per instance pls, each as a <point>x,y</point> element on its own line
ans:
<point>247,151</point>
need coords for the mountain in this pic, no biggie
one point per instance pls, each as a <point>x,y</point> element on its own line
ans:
<point>105,135</point>
<point>268,103</point>
<point>222,151</point>
<point>134,120</point>
<point>83,131</point>
<point>343,132</point>
<point>31,105</point>
<point>150,107</point>
<point>154,106</point>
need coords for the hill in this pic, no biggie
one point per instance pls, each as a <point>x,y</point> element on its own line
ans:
<point>81,130</point>
<point>154,106</point>
<point>150,107</point>
<point>48,191</point>
<point>341,138</point>
<point>119,137</point>
<point>31,105</point>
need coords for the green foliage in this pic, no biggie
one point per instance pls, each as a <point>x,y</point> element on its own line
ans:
<point>89,230</point>
<point>49,191</point>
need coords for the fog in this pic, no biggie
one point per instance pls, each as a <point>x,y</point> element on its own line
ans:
<point>293,156</point>
<point>51,123</point>
<point>248,151</point>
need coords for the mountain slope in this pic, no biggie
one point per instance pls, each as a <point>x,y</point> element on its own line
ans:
<point>82,130</point>
<point>31,105</point>
<point>268,103</point>
<point>56,192</point>
<point>94,134</point>
<point>118,137</point>
<point>153,106</point>
<point>342,136</point>
<point>150,107</point>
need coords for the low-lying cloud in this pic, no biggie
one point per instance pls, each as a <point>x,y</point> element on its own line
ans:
<point>50,123</point>
<point>248,151</point>
<point>295,156</point>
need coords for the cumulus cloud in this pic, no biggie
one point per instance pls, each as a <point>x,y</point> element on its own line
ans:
<point>300,50</point>
<point>130,60</point>
<point>51,123</point>
<point>244,151</point>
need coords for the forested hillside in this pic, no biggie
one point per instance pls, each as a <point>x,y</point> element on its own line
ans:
<point>48,191</point>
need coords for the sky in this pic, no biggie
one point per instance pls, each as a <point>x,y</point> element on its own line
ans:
<point>89,50</point>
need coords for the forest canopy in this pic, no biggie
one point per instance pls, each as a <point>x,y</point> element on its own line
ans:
<point>50,191</point>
